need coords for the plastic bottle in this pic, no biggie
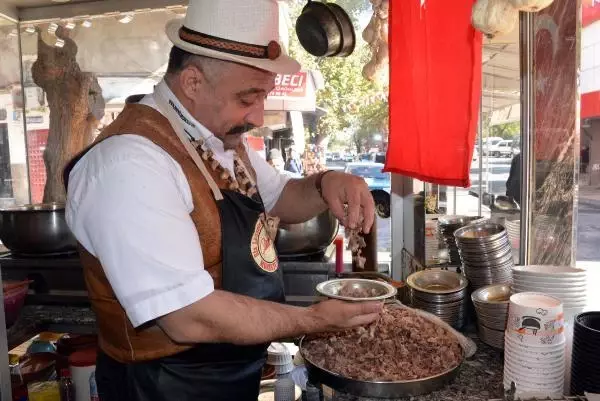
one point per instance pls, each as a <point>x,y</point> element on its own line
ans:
<point>67,389</point>
<point>93,388</point>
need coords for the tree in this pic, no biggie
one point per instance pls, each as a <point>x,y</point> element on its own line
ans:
<point>352,102</point>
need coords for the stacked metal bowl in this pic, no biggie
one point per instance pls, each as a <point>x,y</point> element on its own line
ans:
<point>491,305</point>
<point>447,225</point>
<point>442,293</point>
<point>486,253</point>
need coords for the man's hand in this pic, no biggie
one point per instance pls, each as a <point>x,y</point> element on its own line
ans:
<point>341,188</point>
<point>334,315</point>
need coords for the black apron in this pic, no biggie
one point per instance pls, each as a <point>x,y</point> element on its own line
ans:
<point>209,371</point>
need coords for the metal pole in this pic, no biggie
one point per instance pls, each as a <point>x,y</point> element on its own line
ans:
<point>480,134</point>
<point>5,384</point>
<point>527,36</point>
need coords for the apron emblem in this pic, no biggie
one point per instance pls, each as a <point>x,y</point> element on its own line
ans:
<point>263,248</point>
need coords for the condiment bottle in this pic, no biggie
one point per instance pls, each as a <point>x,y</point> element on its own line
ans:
<point>67,389</point>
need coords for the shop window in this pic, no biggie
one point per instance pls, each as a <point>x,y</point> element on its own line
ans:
<point>495,155</point>
<point>349,131</point>
<point>13,164</point>
<point>119,56</point>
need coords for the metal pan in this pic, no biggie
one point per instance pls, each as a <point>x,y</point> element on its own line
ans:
<point>374,389</point>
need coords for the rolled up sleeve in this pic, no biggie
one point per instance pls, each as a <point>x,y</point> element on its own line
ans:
<point>129,205</point>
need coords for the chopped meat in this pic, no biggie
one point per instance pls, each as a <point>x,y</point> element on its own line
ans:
<point>356,243</point>
<point>348,290</point>
<point>400,345</point>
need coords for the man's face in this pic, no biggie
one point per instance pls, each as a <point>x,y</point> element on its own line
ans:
<point>232,101</point>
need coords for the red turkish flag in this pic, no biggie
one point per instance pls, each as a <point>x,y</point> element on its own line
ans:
<point>435,90</point>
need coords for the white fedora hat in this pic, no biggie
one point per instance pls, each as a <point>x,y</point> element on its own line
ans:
<point>242,31</point>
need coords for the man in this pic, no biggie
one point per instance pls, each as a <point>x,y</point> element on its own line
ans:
<point>293,163</point>
<point>175,219</point>
<point>513,184</point>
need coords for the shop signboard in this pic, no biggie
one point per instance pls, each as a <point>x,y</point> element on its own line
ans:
<point>293,85</point>
<point>591,12</point>
<point>590,98</point>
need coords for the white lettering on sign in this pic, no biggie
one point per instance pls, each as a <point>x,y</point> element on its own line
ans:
<point>290,85</point>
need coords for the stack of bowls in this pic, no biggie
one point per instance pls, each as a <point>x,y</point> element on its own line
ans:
<point>569,284</point>
<point>534,346</point>
<point>486,253</point>
<point>447,225</point>
<point>513,228</point>
<point>585,369</point>
<point>279,356</point>
<point>442,293</point>
<point>491,306</point>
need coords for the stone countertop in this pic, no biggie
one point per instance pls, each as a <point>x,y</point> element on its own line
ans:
<point>36,318</point>
<point>480,378</point>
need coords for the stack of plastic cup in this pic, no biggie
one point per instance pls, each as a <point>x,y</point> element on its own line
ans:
<point>534,346</point>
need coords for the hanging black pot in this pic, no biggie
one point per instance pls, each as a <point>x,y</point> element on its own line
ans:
<point>325,30</point>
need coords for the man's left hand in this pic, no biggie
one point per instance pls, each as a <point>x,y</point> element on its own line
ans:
<point>341,189</point>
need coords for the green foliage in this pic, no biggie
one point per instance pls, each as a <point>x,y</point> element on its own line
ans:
<point>353,103</point>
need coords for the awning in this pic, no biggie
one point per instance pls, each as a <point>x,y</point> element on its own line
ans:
<point>294,92</point>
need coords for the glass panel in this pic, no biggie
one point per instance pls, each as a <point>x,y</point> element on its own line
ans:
<point>13,157</point>
<point>353,131</point>
<point>116,57</point>
<point>497,148</point>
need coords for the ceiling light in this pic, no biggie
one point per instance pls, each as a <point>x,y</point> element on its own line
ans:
<point>61,1</point>
<point>70,25</point>
<point>126,19</point>
<point>30,29</point>
<point>12,33</point>
<point>59,43</point>
<point>52,28</point>
<point>86,24</point>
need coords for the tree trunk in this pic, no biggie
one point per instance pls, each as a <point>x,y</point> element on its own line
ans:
<point>76,108</point>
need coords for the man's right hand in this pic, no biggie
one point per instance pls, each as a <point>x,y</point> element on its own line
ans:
<point>335,315</point>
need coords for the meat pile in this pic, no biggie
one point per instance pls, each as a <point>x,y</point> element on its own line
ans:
<point>348,290</point>
<point>400,346</point>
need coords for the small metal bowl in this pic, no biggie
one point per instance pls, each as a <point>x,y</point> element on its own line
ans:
<point>480,232</point>
<point>492,294</point>
<point>332,288</point>
<point>437,281</point>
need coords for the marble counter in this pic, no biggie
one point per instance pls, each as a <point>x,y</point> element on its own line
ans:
<point>480,377</point>
<point>36,318</point>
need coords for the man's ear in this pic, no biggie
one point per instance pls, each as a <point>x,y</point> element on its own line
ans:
<point>191,80</point>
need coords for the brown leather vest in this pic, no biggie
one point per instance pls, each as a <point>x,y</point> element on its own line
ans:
<point>117,337</point>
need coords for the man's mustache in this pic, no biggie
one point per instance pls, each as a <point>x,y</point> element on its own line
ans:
<point>240,129</point>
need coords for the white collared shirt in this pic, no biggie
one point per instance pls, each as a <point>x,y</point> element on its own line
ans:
<point>129,205</point>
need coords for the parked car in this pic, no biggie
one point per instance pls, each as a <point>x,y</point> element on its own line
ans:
<point>503,148</point>
<point>379,184</point>
<point>490,143</point>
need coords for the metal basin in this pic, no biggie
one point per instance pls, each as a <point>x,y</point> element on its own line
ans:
<point>307,238</point>
<point>36,229</point>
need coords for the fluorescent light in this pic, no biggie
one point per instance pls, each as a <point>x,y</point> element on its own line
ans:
<point>59,43</point>
<point>126,19</point>
<point>52,28</point>
<point>86,24</point>
<point>70,25</point>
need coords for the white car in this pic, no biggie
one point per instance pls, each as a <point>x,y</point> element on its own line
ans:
<point>503,148</point>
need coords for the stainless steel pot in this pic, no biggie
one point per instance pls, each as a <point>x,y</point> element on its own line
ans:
<point>307,238</point>
<point>36,229</point>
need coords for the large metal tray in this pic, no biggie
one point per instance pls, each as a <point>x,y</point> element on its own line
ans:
<point>373,389</point>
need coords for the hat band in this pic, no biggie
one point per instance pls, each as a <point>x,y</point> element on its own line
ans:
<point>272,51</point>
